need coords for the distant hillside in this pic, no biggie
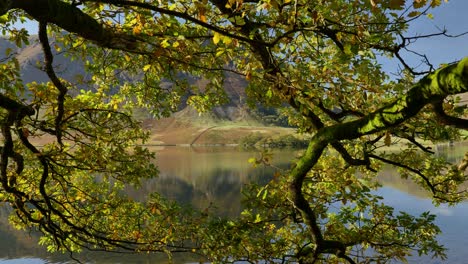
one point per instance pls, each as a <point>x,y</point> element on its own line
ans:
<point>30,55</point>
<point>235,110</point>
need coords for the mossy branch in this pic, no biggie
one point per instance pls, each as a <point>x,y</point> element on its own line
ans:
<point>448,80</point>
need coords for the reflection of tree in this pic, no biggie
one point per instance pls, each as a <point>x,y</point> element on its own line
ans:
<point>16,244</point>
<point>389,176</point>
<point>209,176</point>
<point>219,190</point>
<point>453,152</point>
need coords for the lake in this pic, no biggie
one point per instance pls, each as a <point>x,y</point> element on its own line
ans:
<point>214,176</point>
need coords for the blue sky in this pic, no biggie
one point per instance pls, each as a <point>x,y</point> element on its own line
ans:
<point>451,15</point>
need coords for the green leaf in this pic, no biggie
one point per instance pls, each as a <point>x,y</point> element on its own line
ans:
<point>414,14</point>
<point>5,18</point>
<point>348,49</point>
<point>397,4</point>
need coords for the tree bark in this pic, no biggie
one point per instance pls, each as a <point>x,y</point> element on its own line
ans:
<point>72,19</point>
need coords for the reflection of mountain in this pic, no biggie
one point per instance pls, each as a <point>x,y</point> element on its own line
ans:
<point>389,177</point>
<point>190,176</point>
<point>206,177</point>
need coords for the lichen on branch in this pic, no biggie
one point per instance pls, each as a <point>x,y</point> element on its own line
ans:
<point>448,80</point>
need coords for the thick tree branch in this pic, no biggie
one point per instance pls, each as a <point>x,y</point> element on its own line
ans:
<point>448,80</point>
<point>180,15</point>
<point>72,19</point>
<point>446,119</point>
<point>337,116</point>
<point>12,105</point>
<point>452,79</point>
<point>49,69</point>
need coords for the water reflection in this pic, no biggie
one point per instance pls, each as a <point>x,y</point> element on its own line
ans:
<point>451,220</point>
<point>215,177</point>
<point>199,176</point>
<point>210,177</point>
<point>389,178</point>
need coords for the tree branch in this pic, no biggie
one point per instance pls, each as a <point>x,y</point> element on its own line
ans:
<point>15,106</point>
<point>446,119</point>
<point>49,69</point>
<point>448,80</point>
<point>180,15</point>
<point>452,79</point>
<point>72,19</point>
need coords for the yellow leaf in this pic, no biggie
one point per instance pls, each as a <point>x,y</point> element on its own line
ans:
<point>248,76</point>
<point>258,218</point>
<point>220,52</point>
<point>339,36</point>
<point>203,18</point>
<point>347,49</point>
<point>435,3</point>
<point>216,38</point>
<point>146,67</point>
<point>137,30</point>
<point>57,47</point>
<point>165,43</point>
<point>4,18</point>
<point>227,40</point>
<point>201,14</point>
<point>141,19</point>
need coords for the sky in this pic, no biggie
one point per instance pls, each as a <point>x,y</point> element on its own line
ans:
<point>450,15</point>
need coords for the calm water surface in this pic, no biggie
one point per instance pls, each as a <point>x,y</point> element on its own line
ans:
<point>214,177</point>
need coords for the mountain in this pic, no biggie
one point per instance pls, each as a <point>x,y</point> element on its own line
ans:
<point>186,126</point>
<point>235,110</point>
<point>29,56</point>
